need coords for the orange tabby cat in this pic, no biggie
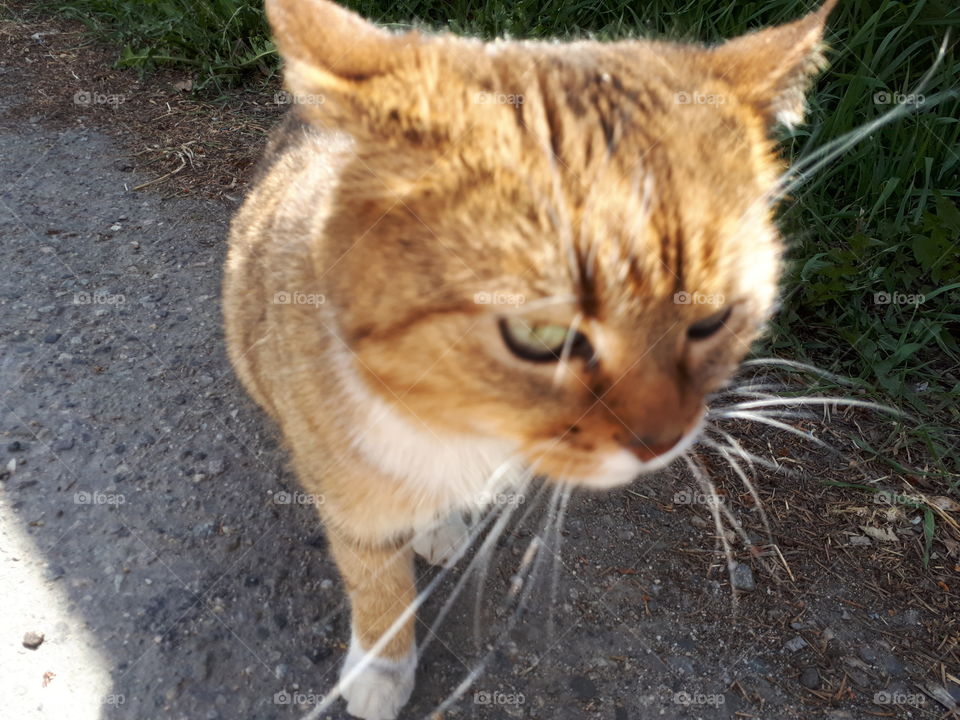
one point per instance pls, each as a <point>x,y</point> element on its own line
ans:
<point>467,259</point>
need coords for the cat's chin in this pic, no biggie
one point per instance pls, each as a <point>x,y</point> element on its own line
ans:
<point>616,469</point>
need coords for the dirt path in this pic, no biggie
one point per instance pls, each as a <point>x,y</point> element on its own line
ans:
<point>145,528</point>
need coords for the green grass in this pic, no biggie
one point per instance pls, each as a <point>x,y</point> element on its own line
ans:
<point>223,42</point>
<point>882,218</point>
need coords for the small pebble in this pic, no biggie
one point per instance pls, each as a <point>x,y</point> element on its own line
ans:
<point>15,446</point>
<point>810,678</point>
<point>32,640</point>
<point>797,643</point>
<point>51,338</point>
<point>742,578</point>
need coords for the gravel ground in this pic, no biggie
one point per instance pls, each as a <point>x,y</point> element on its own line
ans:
<point>145,528</point>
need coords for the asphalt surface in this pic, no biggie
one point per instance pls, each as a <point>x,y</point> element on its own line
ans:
<point>144,528</point>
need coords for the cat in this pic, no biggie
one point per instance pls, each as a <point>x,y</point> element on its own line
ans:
<point>466,263</point>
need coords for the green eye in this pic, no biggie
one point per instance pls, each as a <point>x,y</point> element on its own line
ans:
<point>539,342</point>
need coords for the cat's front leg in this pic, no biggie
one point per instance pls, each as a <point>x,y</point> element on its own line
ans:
<point>380,581</point>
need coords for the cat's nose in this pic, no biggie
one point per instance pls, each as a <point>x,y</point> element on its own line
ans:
<point>648,447</point>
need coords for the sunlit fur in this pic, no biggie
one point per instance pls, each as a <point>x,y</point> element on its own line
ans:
<point>592,185</point>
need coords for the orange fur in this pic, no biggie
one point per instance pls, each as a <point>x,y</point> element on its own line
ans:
<point>594,183</point>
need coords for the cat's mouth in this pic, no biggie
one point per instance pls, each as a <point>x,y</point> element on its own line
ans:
<point>620,466</point>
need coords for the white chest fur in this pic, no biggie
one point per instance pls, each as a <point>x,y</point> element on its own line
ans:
<point>445,470</point>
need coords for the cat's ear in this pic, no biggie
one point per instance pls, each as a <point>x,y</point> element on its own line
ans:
<point>773,69</point>
<point>323,43</point>
<point>345,72</point>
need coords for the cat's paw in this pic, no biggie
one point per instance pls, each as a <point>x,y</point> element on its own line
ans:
<point>379,690</point>
<point>443,544</point>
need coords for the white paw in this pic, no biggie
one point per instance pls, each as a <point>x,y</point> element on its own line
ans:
<point>442,544</point>
<point>381,688</point>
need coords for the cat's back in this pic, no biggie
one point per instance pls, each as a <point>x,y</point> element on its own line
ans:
<point>275,234</point>
<point>294,181</point>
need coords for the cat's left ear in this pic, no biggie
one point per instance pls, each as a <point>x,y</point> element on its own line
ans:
<point>773,69</point>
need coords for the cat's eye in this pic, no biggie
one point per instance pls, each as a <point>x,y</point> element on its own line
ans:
<point>542,342</point>
<point>702,329</point>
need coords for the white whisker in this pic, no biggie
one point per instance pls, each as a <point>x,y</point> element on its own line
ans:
<point>746,454</point>
<point>751,488</point>
<point>567,348</point>
<point>516,588</point>
<point>558,540</point>
<point>707,486</point>
<point>485,553</point>
<point>794,365</point>
<point>495,532</point>
<point>842,402</point>
<point>731,411</point>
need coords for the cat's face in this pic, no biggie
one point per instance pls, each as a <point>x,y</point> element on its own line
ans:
<point>564,246</point>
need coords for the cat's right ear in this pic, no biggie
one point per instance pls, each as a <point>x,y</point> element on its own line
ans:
<point>343,71</point>
<point>324,44</point>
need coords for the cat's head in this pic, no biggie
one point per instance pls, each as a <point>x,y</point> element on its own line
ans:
<point>564,245</point>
